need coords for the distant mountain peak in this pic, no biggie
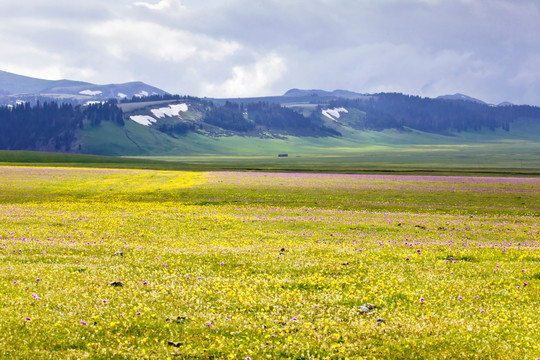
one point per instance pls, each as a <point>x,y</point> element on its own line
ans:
<point>318,92</point>
<point>505,103</point>
<point>13,87</point>
<point>460,97</point>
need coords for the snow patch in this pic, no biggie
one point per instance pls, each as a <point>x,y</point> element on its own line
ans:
<point>93,103</point>
<point>142,94</point>
<point>172,110</point>
<point>145,120</point>
<point>90,92</point>
<point>121,95</point>
<point>333,114</point>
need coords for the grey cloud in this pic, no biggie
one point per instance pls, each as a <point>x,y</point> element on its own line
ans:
<point>485,48</point>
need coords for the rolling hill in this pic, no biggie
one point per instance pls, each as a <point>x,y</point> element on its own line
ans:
<point>299,123</point>
<point>17,88</point>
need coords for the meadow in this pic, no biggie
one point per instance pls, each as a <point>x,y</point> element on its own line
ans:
<point>155,264</point>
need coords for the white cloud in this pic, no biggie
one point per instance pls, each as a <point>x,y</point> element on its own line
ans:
<point>162,5</point>
<point>124,38</point>
<point>246,47</point>
<point>250,80</point>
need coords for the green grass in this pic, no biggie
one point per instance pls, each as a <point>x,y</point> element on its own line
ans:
<point>370,163</point>
<point>356,151</point>
<point>35,158</point>
<point>484,152</point>
<point>198,255</point>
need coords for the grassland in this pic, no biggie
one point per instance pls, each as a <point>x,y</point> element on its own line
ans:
<point>475,152</point>
<point>135,264</point>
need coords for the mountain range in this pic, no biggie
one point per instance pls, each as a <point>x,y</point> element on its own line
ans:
<point>139,119</point>
<point>17,88</point>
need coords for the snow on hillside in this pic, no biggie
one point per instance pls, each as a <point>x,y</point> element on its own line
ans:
<point>145,120</point>
<point>171,110</point>
<point>141,94</point>
<point>93,103</point>
<point>90,92</point>
<point>333,114</point>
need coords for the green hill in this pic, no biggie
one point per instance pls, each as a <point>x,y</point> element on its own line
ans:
<point>347,132</point>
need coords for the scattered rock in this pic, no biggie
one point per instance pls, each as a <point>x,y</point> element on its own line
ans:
<point>178,319</point>
<point>175,343</point>
<point>116,283</point>
<point>119,253</point>
<point>370,306</point>
<point>363,309</point>
<point>380,321</point>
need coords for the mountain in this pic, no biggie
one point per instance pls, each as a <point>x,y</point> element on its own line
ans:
<point>15,88</point>
<point>460,97</point>
<point>138,119</point>
<point>318,92</point>
<point>505,103</point>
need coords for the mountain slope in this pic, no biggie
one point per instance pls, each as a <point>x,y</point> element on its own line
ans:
<point>153,123</point>
<point>460,97</point>
<point>18,84</point>
<point>15,87</point>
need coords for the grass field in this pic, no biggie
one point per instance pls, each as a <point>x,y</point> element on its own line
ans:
<point>135,264</point>
<point>409,160</point>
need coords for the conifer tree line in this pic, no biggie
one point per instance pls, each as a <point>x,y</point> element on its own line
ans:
<point>395,110</point>
<point>266,116</point>
<point>51,126</point>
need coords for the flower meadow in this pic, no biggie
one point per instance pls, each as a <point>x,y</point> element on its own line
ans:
<point>140,264</point>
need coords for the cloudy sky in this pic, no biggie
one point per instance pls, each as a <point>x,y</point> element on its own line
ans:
<point>488,49</point>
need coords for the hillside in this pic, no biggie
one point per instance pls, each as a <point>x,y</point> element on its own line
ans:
<point>17,88</point>
<point>174,125</point>
<point>300,122</point>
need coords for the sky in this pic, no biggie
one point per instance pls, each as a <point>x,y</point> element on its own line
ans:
<point>487,49</point>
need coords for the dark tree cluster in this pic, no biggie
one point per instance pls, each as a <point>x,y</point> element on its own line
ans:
<point>394,110</point>
<point>229,117</point>
<point>108,111</point>
<point>48,125</point>
<point>156,97</point>
<point>180,128</point>
<point>274,116</point>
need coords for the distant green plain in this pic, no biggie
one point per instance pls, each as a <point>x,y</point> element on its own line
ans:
<point>484,152</point>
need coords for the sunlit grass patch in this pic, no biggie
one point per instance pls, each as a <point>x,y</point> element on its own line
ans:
<point>158,264</point>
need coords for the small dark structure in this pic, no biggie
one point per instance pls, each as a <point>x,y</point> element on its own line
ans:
<point>283,155</point>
